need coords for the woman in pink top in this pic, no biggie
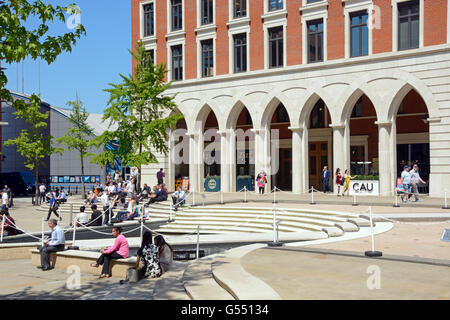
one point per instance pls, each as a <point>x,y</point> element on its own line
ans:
<point>119,250</point>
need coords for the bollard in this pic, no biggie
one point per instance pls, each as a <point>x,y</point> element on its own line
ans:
<point>42,231</point>
<point>372,253</point>
<point>71,212</point>
<point>74,232</point>
<point>197,253</point>
<point>312,196</point>
<point>3,227</point>
<point>170,214</point>
<point>245,194</point>
<point>354,201</point>
<point>142,227</point>
<point>396,205</point>
<point>193,199</point>
<point>445,201</point>
<point>221,197</point>
<point>275,242</point>
<point>274,195</point>
<point>110,213</point>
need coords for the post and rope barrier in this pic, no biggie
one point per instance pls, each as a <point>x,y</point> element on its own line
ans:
<point>312,196</point>
<point>445,201</point>
<point>372,253</point>
<point>197,251</point>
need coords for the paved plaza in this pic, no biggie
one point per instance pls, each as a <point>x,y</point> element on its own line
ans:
<point>300,270</point>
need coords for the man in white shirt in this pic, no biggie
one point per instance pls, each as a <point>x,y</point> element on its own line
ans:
<point>106,204</point>
<point>82,217</point>
<point>4,200</point>
<point>415,180</point>
<point>130,188</point>
<point>42,189</point>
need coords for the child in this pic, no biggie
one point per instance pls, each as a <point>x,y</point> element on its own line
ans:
<point>400,189</point>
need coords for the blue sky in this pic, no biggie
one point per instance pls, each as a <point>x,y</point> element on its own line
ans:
<point>96,60</point>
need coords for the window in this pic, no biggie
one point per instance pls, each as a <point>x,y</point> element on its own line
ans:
<point>240,8</point>
<point>177,63</point>
<point>207,12</point>
<point>177,15</point>
<point>359,31</point>
<point>275,5</point>
<point>150,57</point>
<point>408,25</point>
<point>207,58</point>
<point>357,109</point>
<point>149,22</point>
<point>282,114</point>
<point>276,47</point>
<point>312,1</point>
<point>315,41</point>
<point>240,53</point>
<point>317,117</point>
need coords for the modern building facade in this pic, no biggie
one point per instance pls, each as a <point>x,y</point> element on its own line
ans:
<point>352,84</point>
<point>59,170</point>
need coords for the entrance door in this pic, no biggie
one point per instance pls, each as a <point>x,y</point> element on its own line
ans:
<point>283,178</point>
<point>318,158</point>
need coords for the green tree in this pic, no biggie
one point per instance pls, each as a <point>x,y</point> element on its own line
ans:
<point>35,143</point>
<point>139,110</point>
<point>18,41</point>
<point>79,135</point>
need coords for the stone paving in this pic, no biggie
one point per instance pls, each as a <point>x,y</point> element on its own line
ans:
<point>301,275</point>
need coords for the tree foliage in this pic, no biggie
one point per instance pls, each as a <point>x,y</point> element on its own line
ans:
<point>78,135</point>
<point>139,110</point>
<point>19,41</point>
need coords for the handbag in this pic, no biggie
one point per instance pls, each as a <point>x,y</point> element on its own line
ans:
<point>132,275</point>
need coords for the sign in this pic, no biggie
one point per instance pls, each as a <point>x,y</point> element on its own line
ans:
<point>364,187</point>
<point>446,235</point>
<point>212,184</point>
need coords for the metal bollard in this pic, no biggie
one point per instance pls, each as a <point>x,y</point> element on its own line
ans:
<point>245,194</point>
<point>3,227</point>
<point>71,212</point>
<point>312,196</point>
<point>396,205</point>
<point>354,201</point>
<point>197,253</point>
<point>372,253</point>
<point>445,201</point>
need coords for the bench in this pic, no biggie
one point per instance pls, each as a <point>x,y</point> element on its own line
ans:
<point>83,259</point>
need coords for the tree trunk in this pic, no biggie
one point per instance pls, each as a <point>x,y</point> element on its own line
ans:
<point>83,191</point>
<point>36,183</point>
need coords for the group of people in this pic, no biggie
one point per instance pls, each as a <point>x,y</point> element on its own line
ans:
<point>408,183</point>
<point>154,256</point>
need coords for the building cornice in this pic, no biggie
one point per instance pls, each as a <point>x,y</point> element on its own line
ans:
<point>380,57</point>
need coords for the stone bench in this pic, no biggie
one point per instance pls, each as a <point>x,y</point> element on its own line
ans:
<point>83,259</point>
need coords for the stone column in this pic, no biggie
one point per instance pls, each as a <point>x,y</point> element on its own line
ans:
<point>298,160</point>
<point>386,152</point>
<point>231,153</point>
<point>262,155</point>
<point>224,162</point>
<point>170,180</point>
<point>439,181</point>
<point>340,147</point>
<point>195,161</point>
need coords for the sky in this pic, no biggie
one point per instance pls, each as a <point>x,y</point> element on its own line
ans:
<point>95,61</point>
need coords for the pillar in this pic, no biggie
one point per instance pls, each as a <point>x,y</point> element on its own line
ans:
<point>195,162</point>
<point>224,162</point>
<point>386,154</point>
<point>299,155</point>
<point>341,149</point>
<point>262,155</point>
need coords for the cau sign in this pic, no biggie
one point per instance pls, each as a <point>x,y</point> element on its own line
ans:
<point>364,187</point>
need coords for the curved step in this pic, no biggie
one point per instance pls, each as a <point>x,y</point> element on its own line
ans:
<point>170,285</point>
<point>229,273</point>
<point>199,282</point>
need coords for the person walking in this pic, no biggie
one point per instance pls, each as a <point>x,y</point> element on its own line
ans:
<point>53,208</point>
<point>160,175</point>
<point>339,181</point>
<point>325,179</point>
<point>347,178</point>
<point>42,189</point>
<point>119,250</point>
<point>55,244</point>
<point>406,182</point>
<point>261,180</point>
<point>147,261</point>
<point>5,202</point>
<point>415,180</point>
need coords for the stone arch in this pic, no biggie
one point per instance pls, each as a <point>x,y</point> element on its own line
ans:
<point>204,108</point>
<point>350,97</point>
<point>269,105</point>
<point>234,113</point>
